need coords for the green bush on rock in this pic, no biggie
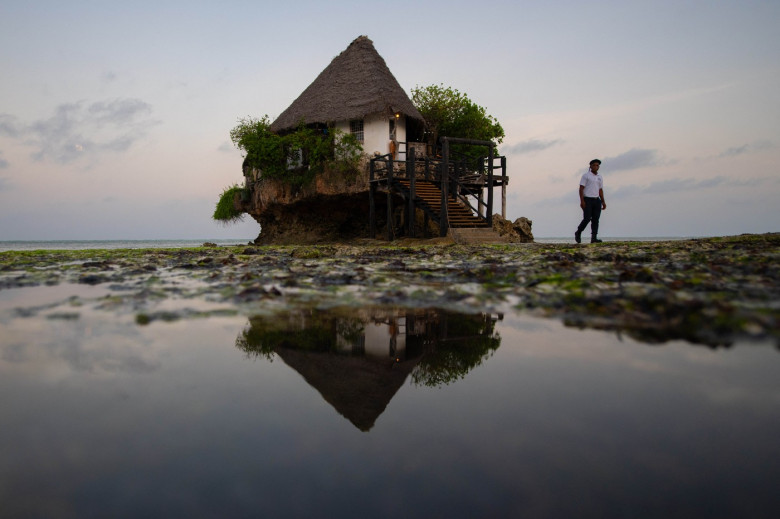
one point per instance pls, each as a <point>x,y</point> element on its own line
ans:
<point>226,211</point>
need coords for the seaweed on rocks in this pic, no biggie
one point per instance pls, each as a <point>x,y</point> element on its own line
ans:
<point>711,291</point>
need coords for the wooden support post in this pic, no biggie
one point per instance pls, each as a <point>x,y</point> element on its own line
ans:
<point>490,187</point>
<point>503,187</point>
<point>410,173</point>
<point>445,180</point>
<point>390,198</point>
<point>371,201</point>
<point>480,199</point>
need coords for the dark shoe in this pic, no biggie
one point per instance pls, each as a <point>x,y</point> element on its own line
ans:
<point>595,240</point>
<point>578,236</point>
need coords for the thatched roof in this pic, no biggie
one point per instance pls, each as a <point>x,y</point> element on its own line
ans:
<point>356,83</point>
<point>358,388</point>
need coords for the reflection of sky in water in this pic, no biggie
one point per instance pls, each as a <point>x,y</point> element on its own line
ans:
<point>106,418</point>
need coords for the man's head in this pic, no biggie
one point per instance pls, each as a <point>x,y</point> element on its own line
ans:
<point>594,165</point>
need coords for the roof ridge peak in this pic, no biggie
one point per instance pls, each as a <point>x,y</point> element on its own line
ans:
<point>355,83</point>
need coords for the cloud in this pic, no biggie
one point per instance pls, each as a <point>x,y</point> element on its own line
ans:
<point>674,185</point>
<point>108,76</point>
<point>633,159</point>
<point>529,146</point>
<point>3,163</point>
<point>661,187</point>
<point>226,147</point>
<point>77,130</point>
<point>10,126</point>
<point>747,148</point>
<point>118,111</point>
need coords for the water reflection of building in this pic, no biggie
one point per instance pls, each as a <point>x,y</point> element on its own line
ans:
<point>358,359</point>
<point>383,336</point>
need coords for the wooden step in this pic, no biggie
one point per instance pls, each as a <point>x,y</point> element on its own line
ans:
<point>458,215</point>
<point>475,236</point>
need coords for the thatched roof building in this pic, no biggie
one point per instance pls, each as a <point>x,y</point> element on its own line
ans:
<point>357,83</point>
<point>358,388</point>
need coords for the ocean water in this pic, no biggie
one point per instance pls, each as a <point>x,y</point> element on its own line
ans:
<point>606,239</point>
<point>10,245</point>
<point>113,244</point>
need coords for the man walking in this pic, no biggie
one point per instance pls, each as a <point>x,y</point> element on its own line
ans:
<point>591,201</point>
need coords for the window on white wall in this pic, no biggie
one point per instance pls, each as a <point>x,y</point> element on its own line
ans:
<point>356,129</point>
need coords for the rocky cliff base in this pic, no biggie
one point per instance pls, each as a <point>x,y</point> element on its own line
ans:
<point>334,208</point>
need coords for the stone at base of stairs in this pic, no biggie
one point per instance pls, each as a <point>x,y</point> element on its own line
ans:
<point>475,235</point>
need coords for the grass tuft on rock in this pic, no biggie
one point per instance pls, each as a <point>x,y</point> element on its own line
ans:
<point>226,211</point>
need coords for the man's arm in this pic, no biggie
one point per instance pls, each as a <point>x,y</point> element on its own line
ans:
<point>582,196</point>
<point>601,195</point>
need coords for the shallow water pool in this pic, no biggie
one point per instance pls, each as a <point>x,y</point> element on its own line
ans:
<point>375,412</point>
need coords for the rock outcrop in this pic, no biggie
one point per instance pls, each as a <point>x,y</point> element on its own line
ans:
<point>332,207</point>
<point>517,232</point>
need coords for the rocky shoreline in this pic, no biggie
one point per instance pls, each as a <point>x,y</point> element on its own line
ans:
<point>713,291</point>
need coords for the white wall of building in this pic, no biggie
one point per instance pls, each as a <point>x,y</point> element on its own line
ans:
<point>376,134</point>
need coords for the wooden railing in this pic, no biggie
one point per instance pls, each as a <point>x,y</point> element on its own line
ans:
<point>454,177</point>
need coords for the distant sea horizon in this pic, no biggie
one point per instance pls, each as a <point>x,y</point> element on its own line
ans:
<point>21,245</point>
<point>8,245</point>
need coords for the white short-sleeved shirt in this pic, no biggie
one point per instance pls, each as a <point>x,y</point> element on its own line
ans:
<point>593,183</point>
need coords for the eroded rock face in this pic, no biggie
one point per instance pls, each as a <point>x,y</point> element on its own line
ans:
<point>333,207</point>
<point>517,232</point>
<point>318,219</point>
<point>266,193</point>
<point>522,227</point>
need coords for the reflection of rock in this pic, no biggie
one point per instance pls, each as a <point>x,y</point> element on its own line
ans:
<point>519,231</point>
<point>358,361</point>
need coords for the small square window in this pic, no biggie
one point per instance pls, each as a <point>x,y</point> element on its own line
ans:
<point>356,129</point>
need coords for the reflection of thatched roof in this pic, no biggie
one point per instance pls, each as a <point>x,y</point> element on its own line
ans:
<point>356,83</point>
<point>359,388</point>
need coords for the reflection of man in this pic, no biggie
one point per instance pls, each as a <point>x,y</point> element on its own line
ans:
<point>591,201</point>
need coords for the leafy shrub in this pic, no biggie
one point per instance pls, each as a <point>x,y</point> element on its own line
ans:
<point>226,211</point>
<point>297,156</point>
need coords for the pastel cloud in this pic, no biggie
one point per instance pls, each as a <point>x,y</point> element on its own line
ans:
<point>76,130</point>
<point>634,158</point>
<point>746,148</point>
<point>530,146</point>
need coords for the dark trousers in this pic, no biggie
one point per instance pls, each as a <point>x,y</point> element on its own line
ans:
<point>590,215</point>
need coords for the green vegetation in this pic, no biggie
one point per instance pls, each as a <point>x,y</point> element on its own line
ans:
<point>450,113</point>
<point>314,332</point>
<point>469,340</point>
<point>226,210</point>
<point>653,290</point>
<point>297,156</point>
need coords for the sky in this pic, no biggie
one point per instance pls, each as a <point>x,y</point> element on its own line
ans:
<point>115,116</point>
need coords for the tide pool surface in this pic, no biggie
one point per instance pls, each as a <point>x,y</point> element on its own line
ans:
<point>373,412</point>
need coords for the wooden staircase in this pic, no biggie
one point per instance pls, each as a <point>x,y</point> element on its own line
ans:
<point>464,226</point>
<point>429,194</point>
